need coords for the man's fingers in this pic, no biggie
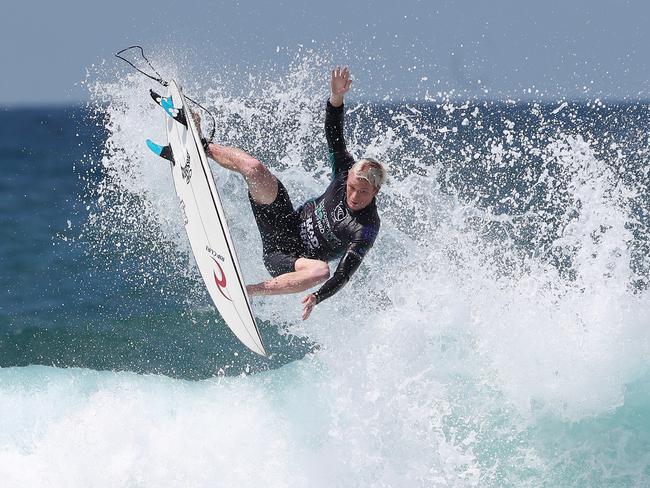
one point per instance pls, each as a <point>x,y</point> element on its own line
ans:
<point>309,302</point>
<point>306,312</point>
<point>341,81</point>
<point>341,72</point>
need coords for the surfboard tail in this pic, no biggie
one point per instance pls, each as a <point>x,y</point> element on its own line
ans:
<point>178,114</point>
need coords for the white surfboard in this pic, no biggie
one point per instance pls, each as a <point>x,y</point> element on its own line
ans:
<point>207,229</point>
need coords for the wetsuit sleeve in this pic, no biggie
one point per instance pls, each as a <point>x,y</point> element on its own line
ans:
<point>340,159</point>
<point>349,263</point>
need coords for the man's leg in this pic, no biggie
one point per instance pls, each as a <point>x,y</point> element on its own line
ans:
<point>262,185</point>
<point>308,273</point>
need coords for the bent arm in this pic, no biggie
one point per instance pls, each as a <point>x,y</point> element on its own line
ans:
<point>349,263</point>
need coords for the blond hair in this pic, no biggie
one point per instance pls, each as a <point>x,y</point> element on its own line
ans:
<point>371,170</point>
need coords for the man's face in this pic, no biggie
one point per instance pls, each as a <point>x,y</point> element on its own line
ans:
<point>359,192</point>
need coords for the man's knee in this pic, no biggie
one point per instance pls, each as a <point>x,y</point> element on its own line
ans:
<point>317,271</point>
<point>262,185</point>
<point>320,272</point>
<point>253,170</point>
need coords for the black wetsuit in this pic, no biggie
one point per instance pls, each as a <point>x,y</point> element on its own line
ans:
<point>322,228</point>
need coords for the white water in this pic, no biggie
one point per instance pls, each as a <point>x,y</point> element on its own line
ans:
<point>436,368</point>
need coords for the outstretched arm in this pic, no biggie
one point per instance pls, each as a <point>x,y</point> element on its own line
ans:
<point>339,157</point>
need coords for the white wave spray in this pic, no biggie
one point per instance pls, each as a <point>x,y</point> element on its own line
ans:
<point>477,342</point>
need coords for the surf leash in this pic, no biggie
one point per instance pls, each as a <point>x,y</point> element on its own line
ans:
<point>159,79</point>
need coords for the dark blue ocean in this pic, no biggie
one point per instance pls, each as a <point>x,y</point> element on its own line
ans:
<point>497,335</point>
<point>64,306</point>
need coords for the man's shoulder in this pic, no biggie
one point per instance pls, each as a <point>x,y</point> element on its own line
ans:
<point>341,162</point>
<point>370,214</point>
<point>370,222</point>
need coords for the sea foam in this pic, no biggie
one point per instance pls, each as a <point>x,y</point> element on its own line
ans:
<point>499,321</point>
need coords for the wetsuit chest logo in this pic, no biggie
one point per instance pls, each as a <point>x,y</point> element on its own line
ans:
<point>324,226</point>
<point>339,213</point>
<point>316,228</point>
<point>307,233</point>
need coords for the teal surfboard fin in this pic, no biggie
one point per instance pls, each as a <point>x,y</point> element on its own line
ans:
<point>164,152</point>
<point>178,114</point>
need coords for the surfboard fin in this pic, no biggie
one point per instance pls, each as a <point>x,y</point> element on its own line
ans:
<point>164,152</point>
<point>178,114</point>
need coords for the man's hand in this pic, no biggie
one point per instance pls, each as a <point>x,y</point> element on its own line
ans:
<point>339,85</point>
<point>309,303</point>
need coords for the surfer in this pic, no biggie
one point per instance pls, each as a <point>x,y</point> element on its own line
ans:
<point>341,223</point>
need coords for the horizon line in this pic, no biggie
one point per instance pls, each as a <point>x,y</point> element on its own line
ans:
<point>80,104</point>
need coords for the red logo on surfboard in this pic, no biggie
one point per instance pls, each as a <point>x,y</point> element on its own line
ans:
<point>220,282</point>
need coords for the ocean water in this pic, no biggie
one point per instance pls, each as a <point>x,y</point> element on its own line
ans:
<point>497,335</point>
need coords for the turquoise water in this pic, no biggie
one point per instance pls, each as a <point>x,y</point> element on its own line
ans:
<point>497,335</point>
